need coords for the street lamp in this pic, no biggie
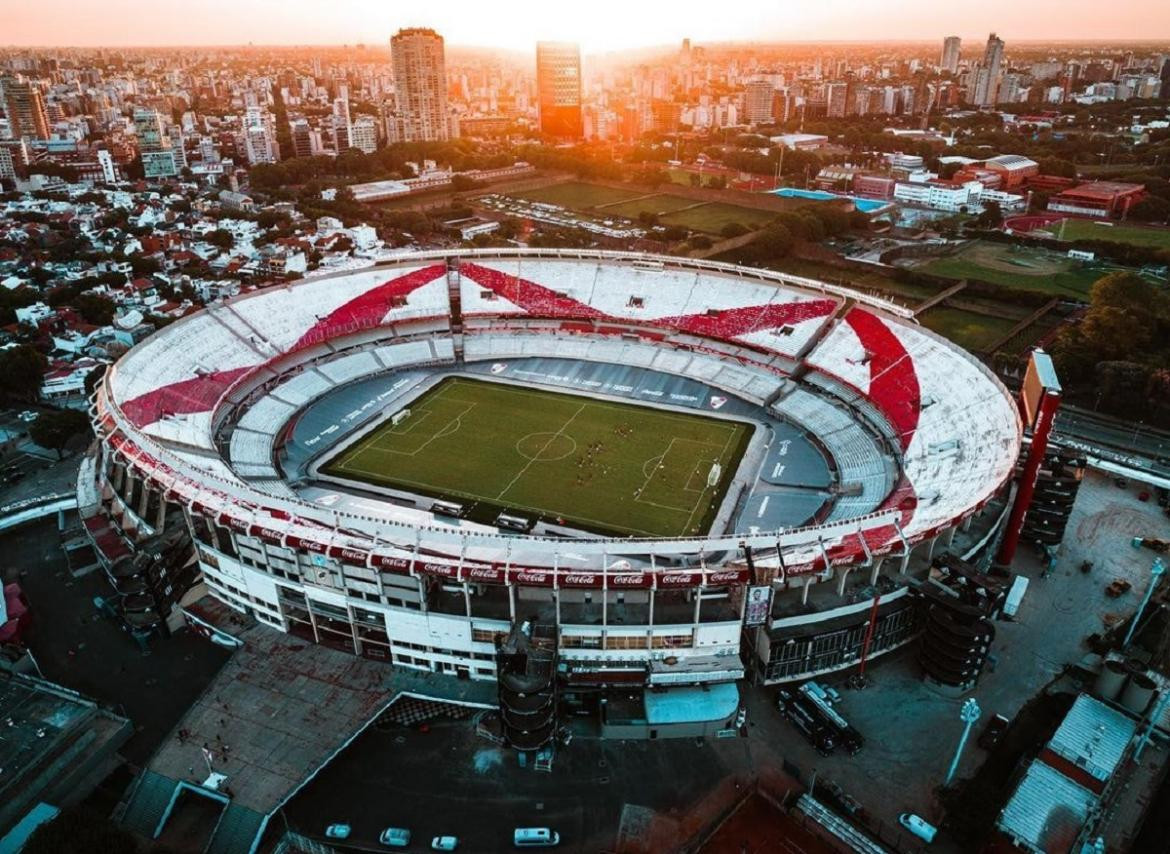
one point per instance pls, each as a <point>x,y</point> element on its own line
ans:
<point>968,714</point>
<point>1155,572</point>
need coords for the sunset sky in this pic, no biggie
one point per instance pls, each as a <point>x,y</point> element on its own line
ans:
<point>597,24</point>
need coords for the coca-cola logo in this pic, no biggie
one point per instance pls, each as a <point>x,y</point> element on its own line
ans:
<point>677,579</point>
<point>439,568</point>
<point>531,576</point>
<point>723,577</point>
<point>633,580</point>
<point>354,555</point>
<point>269,534</point>
<point>484,573</point>
<point>584,578</point>
<point>388,562</point>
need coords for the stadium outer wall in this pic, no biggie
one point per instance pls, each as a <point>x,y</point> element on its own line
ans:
<point>440,601</point>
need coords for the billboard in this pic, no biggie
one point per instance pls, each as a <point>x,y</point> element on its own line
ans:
<point>759,605</point>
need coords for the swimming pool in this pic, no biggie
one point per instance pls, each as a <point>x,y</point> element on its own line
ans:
<point>863,205</point>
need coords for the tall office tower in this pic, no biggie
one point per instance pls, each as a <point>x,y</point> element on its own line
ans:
<point>341,125</point>
<point>950,54</point>
<point>420,86</point>
<point>985,87</point>
<point>159,160</point>
<point>558,89</point>
<point>757,102</point>
<point>302,139</point>
<point>26,109</point>
<point>836,100</point>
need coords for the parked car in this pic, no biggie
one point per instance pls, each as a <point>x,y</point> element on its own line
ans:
<point>444,843</point>
<point>921,828</point>
<point>535,837</point>
<point>993,732</point>
<point>395,837</point>
<point>337,831</point>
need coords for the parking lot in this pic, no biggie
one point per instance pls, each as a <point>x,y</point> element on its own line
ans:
<point>911,730</point>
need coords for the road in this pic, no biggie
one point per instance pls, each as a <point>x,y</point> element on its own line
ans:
<point>1136,445</point>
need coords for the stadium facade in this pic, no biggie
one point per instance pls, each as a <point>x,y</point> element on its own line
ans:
<point>875,440</point>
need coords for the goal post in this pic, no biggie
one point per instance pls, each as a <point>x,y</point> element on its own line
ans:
<point>714,474</point>
<point>399,416</point>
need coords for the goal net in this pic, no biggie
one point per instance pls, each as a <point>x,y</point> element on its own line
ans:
<point>400,416</point>
<point>713,475</point>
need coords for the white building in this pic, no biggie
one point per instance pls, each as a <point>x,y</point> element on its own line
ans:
<point>363,134</point>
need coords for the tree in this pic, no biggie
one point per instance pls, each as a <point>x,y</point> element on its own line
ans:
<point>734,229</point>
<point>54,429</point>
<point>95,309</point>
<point>460,183</point>
<point>21,371</point>
<point>775,241</point>
<point>222,238</point>
<point>992,216</point>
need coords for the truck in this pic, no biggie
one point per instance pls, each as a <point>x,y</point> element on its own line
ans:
<point>1015,596</point>
<point>803,715</point>
<point>844,734</point>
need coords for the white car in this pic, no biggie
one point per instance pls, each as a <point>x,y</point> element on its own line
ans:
<point>921,828</point>
<point>444,843</point>
<point>337,831</point>
<point>395,837</point>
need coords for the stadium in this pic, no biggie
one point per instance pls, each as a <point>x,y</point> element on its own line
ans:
<point>674,472</point>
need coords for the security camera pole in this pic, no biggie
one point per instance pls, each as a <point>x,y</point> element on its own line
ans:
<point>1155,572</point>
<point>968,714</point>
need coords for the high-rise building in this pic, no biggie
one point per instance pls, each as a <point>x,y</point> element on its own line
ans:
<point>420,86</point>
<point>341,124</point>
<point>757,102</point>
<point>159,160</point>
<point>302,139</point>
<point>363,134</point>
<point>836,100</point>
<point>26,109</point>
<point>984,86</point>
<point>950,54</point>
<point>558,89</point>
<point>260,137</point>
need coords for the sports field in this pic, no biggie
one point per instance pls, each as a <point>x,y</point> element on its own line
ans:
<point>1019,267</point>
<point>603,201</point>
<point>611,468</point>
<point>1086,229</point>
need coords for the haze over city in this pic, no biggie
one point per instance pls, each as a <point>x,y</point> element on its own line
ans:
<point>601,25</point>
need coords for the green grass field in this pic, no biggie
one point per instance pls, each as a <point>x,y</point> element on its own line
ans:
<point>612,468</point>
<point>713,216</point>
<point>1085,229</point>
<point>661,203</point>
<point>578,195</point>
<point>1018,267</point>
<point>709,217</point>
<point>968,329</point>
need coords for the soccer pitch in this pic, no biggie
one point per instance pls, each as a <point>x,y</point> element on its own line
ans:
<point>611,468</point>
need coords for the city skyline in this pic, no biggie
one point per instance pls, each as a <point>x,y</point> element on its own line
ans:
<point>115,23</point>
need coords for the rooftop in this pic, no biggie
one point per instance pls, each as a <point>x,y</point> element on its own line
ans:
<point>279,710</point>
<point>1047,810</point>
<point>1093,736</point>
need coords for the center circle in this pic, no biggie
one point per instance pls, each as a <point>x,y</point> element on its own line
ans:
<point>545,447</point>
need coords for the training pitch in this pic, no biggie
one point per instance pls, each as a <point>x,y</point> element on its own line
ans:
<point>611,468</point>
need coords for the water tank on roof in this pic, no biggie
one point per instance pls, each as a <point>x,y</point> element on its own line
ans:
<point>1138,693</point>
<point>1111,680</point>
